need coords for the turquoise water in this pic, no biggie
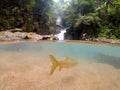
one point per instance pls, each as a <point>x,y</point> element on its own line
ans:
<point>82,52</point>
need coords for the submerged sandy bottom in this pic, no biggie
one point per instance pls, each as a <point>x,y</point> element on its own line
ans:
<point>30,71</point>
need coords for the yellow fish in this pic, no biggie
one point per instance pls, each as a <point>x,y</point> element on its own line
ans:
<point>61,64</point>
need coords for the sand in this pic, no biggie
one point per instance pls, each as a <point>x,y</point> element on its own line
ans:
<point>30,71</point>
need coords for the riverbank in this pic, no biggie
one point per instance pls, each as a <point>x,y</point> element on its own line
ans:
<point>18,37</point>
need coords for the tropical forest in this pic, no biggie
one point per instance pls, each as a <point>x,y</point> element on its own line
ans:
<point>59,44</point>
<point>82,19</point>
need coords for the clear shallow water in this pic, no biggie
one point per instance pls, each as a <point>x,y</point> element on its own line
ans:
<point>103,54</point>
<point>26,66</point>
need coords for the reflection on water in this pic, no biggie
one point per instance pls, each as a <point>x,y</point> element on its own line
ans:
<point>26,66</point>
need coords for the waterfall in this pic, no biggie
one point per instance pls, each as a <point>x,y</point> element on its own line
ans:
<point>59,20</point>
<point>60,36</point>
<point>60,29</point>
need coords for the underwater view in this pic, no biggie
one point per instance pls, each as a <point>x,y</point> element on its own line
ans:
<point>27,66</point>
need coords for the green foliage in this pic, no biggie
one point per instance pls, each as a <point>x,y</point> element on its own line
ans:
<point>104,32</point>
<point>43,14</point>
<point>110,33</point>
<point>95,18</point>
<point>30,4</point>
<point>87,20</point>
<point>16,12</point>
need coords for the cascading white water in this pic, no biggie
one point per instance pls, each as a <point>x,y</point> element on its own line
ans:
<point>60,36</point>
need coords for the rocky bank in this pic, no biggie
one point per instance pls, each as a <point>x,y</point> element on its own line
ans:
<point>16,35</point>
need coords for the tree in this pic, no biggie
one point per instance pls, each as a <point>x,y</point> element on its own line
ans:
<point>93,17</point>
<point>30,15</point>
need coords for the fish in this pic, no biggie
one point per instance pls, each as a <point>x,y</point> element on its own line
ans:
<point>67,63</point>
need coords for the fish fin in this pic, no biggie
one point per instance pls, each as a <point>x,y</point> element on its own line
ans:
<point>60,68</point>
<point>54,62</point>
<point>52,69</point>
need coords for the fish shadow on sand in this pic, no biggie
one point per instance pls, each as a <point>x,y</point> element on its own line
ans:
<point>107,59</point>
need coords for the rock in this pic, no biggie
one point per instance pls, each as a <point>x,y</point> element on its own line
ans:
<point>16,30</point>
<point>7,35</point>
<point>105,40</point>
<point>49,37</point>
<point>34,36</point>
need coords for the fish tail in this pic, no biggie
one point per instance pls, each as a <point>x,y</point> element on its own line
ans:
<point>54,62</point>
